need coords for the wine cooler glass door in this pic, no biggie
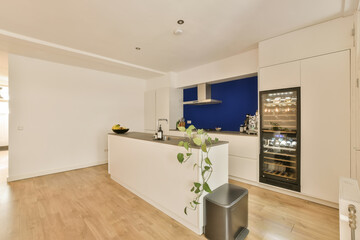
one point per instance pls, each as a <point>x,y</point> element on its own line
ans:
<point>279,163</point>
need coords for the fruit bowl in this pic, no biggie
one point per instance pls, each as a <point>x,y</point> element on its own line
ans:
<point>120,131</point>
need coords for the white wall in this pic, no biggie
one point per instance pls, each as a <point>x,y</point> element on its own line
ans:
<point>168,80</point>
<point>66,113</point>
<point>243,64</point>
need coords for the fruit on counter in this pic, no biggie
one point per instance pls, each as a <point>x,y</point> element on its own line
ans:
<point>118,127</point>
<point>115,127</point>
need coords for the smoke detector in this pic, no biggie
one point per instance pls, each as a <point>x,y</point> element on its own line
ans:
<point>178,31</point>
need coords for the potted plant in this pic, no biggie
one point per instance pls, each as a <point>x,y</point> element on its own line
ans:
<point>203,140</point>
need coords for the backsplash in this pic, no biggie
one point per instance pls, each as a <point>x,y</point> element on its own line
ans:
<point>239,97</point>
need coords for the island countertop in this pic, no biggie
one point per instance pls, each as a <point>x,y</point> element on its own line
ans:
<point>172,140</point>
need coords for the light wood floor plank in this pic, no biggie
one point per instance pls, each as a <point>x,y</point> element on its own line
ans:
<point>87,204</point>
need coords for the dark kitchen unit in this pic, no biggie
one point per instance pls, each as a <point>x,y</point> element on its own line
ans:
<point>280,138</point>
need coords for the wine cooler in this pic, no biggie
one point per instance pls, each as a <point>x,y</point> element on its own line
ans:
<point>280,138</point>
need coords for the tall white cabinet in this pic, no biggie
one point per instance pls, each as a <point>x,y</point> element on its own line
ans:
<point>325,124</point>
<point>150,110</point>
<point>317,59</point>
<point>162,103</point>
<point>325,118</point>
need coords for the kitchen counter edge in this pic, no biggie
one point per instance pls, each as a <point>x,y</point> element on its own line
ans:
<point>234,133</point>
<point>173,140</point>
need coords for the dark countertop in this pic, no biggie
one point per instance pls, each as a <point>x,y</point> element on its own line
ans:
<point>173,140</point>
<point>225,132</point>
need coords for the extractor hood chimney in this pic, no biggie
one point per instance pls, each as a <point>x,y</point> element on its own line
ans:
<point>204,96</point>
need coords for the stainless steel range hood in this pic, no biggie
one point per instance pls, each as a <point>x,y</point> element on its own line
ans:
<point>204,96</point>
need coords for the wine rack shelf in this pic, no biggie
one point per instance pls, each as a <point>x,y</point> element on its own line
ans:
<point>281,154</point>
<point>275,131</point>
<point>279,175</point>
<point>280,148</point>
<point>277,164</point>
<point>278,159</point>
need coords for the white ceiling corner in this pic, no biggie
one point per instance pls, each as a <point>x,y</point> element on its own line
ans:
<point>350,7</point>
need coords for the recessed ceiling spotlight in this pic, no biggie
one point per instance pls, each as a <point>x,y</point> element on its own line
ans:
<point>180,21</point>
<point>137,48</point>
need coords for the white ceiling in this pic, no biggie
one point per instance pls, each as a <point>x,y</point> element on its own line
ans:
<point>213,29</point>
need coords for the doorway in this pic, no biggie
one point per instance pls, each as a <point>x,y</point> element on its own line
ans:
<point>4,117</point>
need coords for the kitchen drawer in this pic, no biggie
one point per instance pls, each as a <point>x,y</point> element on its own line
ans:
<point>243,168</point>
<point>240,145</point>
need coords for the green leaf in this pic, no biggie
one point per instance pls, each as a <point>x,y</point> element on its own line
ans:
<point>216,139</point>
<point>207,168</point>
<point>197,185</point>
<point>203,147</point>
<point>185,210</point>
<point>197,190</point>
<point>181,129</point>
<point>189,130</point>
<point>181,143</point>
<point>191,127</point>
<point>206,187</point>
<point>195,202</point>
<point>180,157</point>
<point>197,141</point>
<point>194,166</point>
<point>186,145</point>
<point>188,154</point>
<point>192,189</point>
<point>209,139</point>
<point>200,131</point>
<point>207,160</point>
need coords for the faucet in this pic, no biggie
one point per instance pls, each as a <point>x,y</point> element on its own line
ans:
<point>162,119</point>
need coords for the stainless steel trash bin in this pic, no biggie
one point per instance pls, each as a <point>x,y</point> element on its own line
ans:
<point>226,213</point>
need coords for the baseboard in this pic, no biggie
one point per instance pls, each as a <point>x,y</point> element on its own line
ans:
<point>287,192</point>
<point>52,171</point>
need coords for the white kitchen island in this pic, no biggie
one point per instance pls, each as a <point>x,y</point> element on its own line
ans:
<point>150,169</point>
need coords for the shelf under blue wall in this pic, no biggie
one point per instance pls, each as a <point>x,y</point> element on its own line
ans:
<point>238,97</point>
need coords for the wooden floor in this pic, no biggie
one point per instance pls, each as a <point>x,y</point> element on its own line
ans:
<point>3,166</point>
<point>87,204</point>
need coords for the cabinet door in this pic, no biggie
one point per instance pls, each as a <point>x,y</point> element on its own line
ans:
<point>280,76</point>
<point>325,124</point>
<point>162,107</point>
<point>245,168</point>
<point>150,110</point>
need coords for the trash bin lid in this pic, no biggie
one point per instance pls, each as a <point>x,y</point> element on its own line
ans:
<point>226,195</point>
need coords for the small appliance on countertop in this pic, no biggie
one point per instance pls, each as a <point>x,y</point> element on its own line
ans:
<point>250,124</point>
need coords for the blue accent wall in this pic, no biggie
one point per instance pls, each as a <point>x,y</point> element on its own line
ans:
<point>239,97</point>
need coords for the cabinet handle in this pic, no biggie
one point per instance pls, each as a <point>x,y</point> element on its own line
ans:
<point>352,220</point>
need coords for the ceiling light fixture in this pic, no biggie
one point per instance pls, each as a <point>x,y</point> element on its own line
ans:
<point>180,21</point>
<point>178,31</point>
